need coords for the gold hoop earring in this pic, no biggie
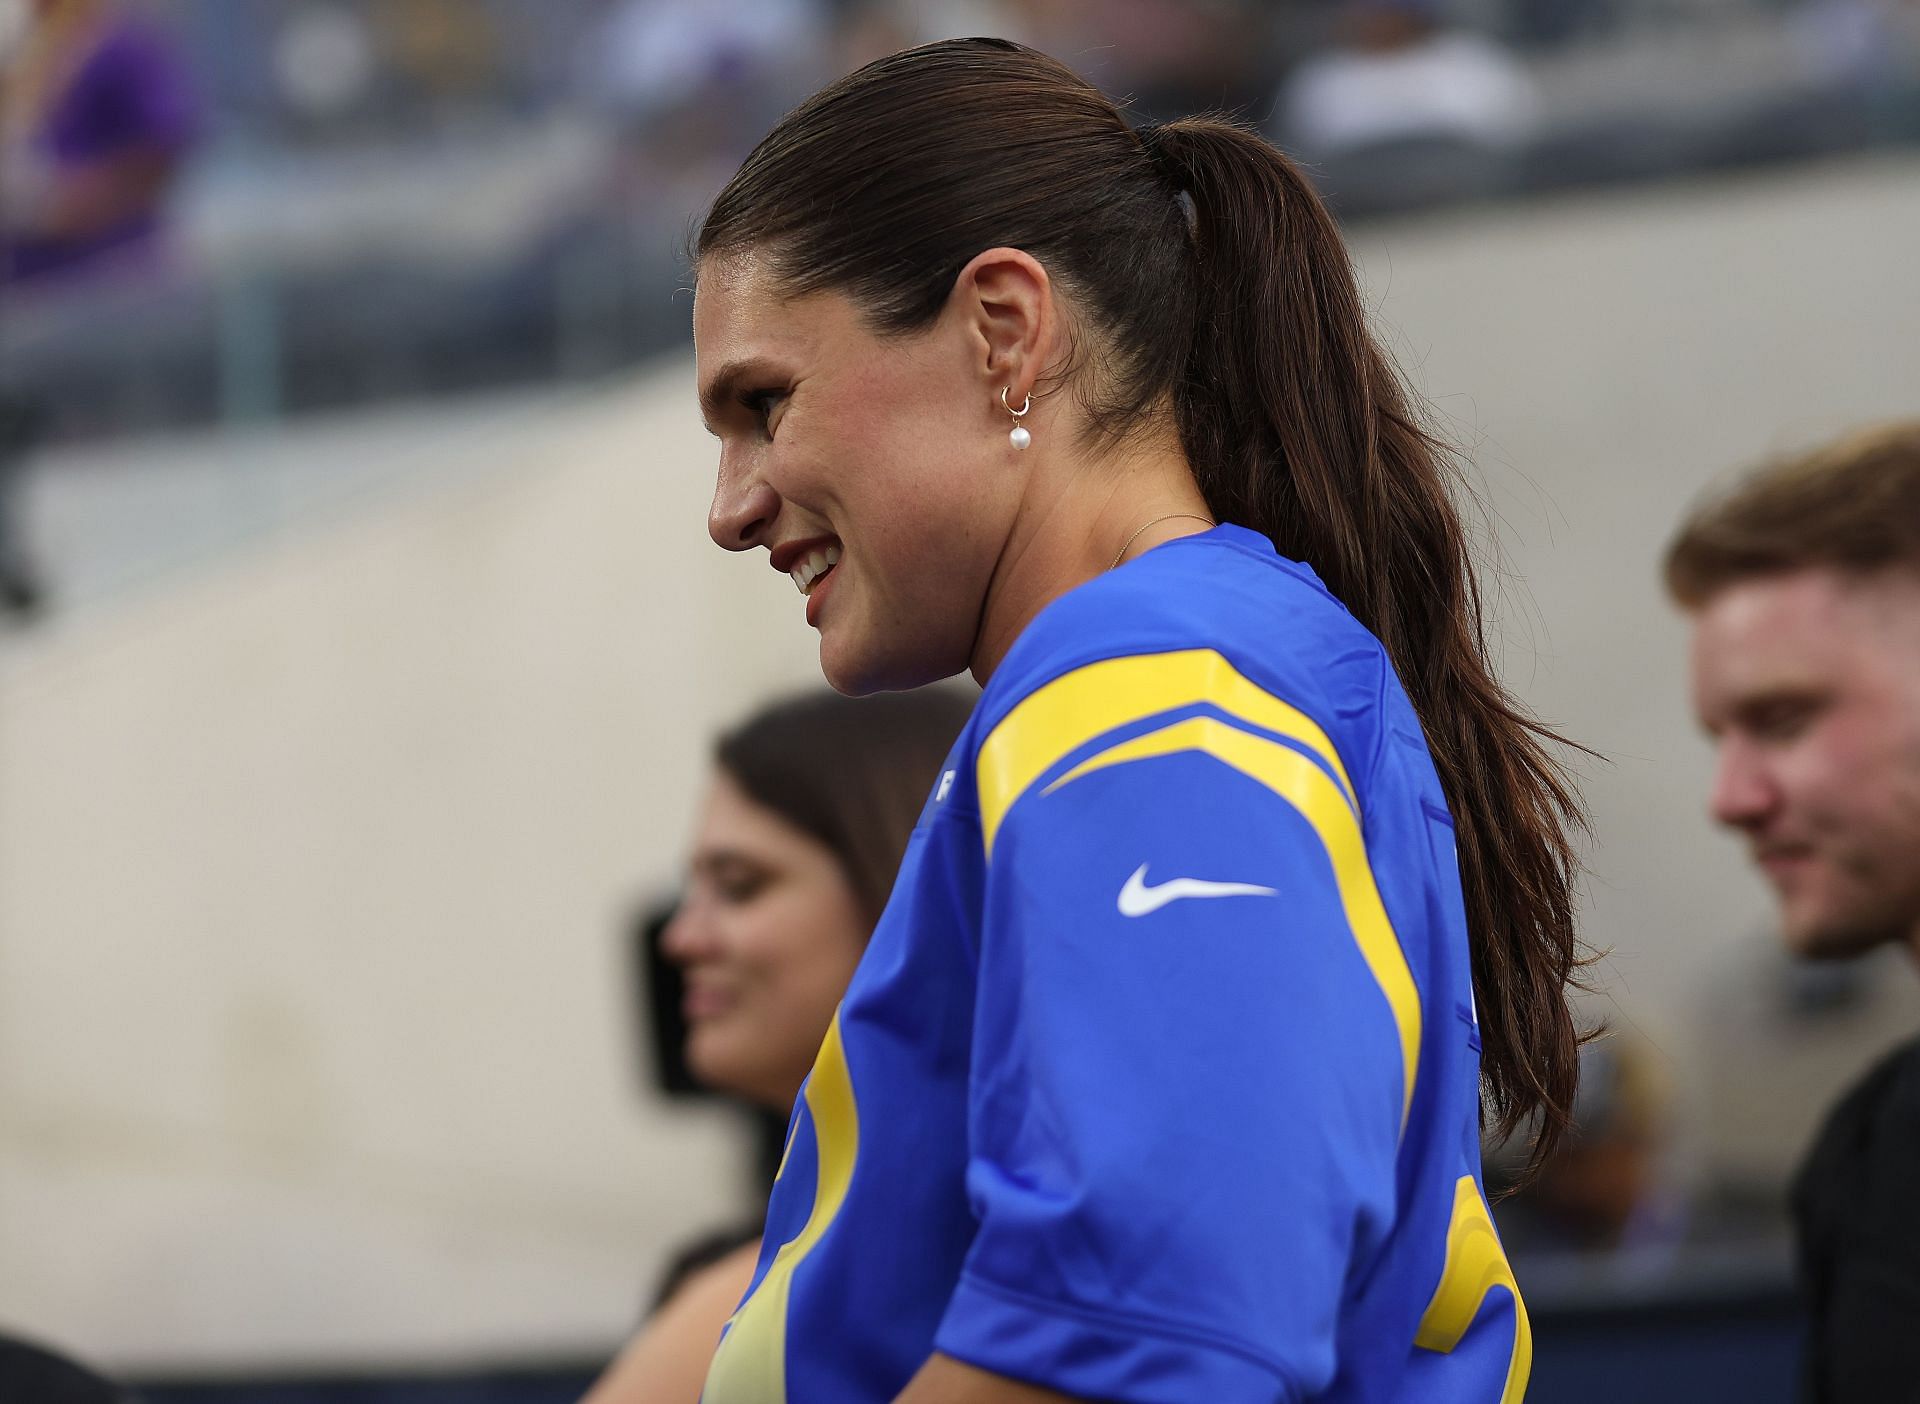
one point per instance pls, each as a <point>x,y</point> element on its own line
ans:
<point>1019,438</point>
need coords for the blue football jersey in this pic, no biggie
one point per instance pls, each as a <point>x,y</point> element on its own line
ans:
<point>1159,1079</point>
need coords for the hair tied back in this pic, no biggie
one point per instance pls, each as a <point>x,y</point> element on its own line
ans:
<point>1184,199</point>
<point>1154,146</point>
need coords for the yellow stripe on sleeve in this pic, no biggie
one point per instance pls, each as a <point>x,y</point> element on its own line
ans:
<point>1091,701</point>
<point>1475,1265</point>
<point>750,1366</point>
<point>1322,804</point>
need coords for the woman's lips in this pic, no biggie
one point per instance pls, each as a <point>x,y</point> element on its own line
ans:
<point>819,593</point>
<point>704,1002</point>
<point>1779,863</point>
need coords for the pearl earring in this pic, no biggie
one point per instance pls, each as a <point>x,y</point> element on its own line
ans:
<point>1019,438</point>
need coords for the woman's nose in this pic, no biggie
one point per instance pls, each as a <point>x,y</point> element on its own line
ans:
<point>688,935</point>
<point>744,506</point>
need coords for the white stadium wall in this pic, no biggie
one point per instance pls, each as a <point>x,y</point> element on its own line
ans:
<point>315,858</point>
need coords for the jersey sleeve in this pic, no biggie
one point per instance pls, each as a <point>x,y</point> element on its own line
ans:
<point>1193,1054</point>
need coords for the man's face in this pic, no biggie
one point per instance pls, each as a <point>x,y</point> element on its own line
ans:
<point>1809,685</point>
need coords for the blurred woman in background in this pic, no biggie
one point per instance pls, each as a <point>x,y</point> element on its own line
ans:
<point>805,819</point>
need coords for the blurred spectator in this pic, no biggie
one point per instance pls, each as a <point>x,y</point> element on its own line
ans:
<point>1549,24</point>
<point>647,57</point>
<point>444,49</point>
<point>1803,584</point>
<point>1609,1187</point>
<point>399,66</point>
<point>1165,58</point>
<point>690,87</point>
<point>1401,74</point>
<point>31,1374</point>
<point>98,114</point>
<point>1867,45</point>
<point>20,590</point>
<point>806,818</point>
<point>325,64</point>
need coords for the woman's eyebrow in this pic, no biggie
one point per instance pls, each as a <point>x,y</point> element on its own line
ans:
<point>718,392</point>
<point>713,859</point>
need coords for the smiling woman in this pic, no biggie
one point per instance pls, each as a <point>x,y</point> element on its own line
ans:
<point>806,816</point>
<point>1161,1076</point>
<point>805,382</point>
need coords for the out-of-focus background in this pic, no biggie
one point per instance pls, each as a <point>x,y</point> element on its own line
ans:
<point>361,642</point>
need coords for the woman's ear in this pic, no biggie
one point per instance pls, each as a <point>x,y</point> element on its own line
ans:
<point>1004,302</point>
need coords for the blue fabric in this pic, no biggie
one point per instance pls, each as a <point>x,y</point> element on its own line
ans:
<point>1142,1142</point>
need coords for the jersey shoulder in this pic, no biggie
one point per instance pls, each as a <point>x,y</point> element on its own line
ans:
<point>1218,611</point>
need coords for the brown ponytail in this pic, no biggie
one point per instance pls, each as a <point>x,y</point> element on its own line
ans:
<point>1298,425</point>
<point>1211,278</point>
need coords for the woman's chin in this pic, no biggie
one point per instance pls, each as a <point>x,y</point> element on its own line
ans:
<point>712,1062</point>
<point>847,667</point>
<point>719,1064</point>
<point>856,668</point>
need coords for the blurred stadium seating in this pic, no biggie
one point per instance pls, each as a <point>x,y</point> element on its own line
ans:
<point>384,212</point>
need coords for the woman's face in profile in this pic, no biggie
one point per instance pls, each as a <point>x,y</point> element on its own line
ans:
<point>768,937</point>
<point>883,457</point>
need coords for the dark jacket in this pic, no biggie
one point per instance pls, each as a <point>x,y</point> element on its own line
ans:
<point>1856,1204</point>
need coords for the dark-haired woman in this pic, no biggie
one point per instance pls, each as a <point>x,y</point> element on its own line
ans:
<point>798,839</point>
<point>1161,1077</point>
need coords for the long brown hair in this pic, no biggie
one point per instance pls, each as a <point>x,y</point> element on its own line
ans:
<point>851,772</point>
<point>1210,279</point>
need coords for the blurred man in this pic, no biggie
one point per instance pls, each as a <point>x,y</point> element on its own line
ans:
<point>1803,584</point>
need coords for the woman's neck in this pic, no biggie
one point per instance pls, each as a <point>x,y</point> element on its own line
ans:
<point>1080,517</point>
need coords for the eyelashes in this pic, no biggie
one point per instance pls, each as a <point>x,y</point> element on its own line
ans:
<point>760,403</point>
<point>741,890</point>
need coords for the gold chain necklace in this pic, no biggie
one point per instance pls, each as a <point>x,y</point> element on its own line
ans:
<point>1170,517</point>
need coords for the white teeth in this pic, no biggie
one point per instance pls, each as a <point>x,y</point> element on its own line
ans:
<point>817,564</point>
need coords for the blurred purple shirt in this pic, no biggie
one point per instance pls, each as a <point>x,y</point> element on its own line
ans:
<point>130,95</point>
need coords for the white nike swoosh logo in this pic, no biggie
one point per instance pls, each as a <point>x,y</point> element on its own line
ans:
<point>1137,899</point>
